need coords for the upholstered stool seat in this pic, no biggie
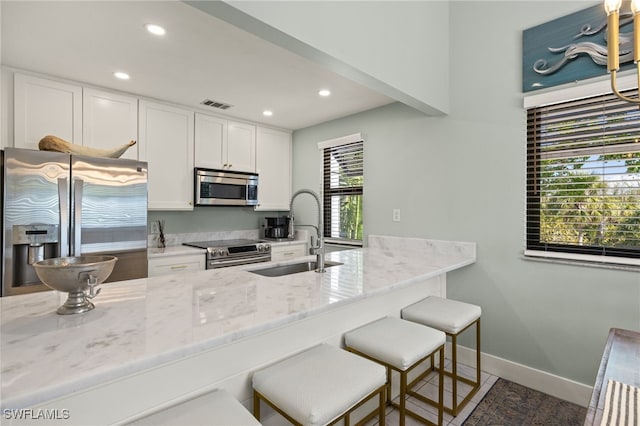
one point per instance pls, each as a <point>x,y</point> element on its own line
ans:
<point>452,317</point>
<point>401,346</point>
<point>319,386</point>
<point>216,408</point>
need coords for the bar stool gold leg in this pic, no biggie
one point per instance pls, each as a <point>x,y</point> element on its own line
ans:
<point>455,406</point>
<point>256,405</point>
<point>441,387</point>
<point>409,339</point>
<point>388,385</point>
<point>454,371</point>
<point>382,408</point>
<point>437,312</point>
<point>478,352</point>
<point>403,392</point>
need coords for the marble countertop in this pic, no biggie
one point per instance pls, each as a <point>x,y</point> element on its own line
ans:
<point>174,251</point>
<point>139,324</point>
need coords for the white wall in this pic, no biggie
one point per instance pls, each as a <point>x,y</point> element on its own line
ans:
<point>462,177</point>
<point>360,40</point>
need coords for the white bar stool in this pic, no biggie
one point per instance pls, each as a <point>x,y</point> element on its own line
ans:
<point>216,408</point>
<point>452,317</point>
<point>401,346</point>
<point>320,386</point>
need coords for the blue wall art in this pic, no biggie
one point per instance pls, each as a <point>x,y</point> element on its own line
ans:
<point>573,48</point>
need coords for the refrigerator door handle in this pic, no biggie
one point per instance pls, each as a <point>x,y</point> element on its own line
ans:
<point>77,211</point>
<point>63,200</point>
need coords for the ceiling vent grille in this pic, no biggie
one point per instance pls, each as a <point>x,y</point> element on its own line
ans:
<point>215,104</point>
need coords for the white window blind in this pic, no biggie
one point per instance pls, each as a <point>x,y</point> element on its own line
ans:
<point>583,177</point>
<point>343,180</point>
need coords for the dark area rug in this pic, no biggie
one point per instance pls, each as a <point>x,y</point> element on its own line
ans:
<point>511,404</point>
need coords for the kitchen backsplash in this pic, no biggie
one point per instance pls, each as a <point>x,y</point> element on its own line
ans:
<point>178,239</point>
<point>250,234</point>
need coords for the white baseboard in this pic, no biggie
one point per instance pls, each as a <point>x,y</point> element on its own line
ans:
<point>553,385</point>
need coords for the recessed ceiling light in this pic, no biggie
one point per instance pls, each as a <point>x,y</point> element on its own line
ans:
<point>324,92</point>
<point>155,29</point>
<point>267,113</point>
<point>121,75</point>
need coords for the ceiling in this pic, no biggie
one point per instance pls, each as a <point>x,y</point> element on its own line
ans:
<point>200,57</point>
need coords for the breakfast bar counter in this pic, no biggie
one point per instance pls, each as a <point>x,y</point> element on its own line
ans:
<point>152,342</point>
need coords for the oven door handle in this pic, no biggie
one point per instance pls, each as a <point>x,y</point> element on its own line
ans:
<point>212,264</point>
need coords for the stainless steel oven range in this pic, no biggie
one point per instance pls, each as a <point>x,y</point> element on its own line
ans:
<point>224,253</point>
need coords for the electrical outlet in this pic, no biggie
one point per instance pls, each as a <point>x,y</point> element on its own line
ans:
<point>396,215</point>
<point>154,227</point>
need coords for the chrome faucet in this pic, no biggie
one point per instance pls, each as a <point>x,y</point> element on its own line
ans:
<point>319,248</point>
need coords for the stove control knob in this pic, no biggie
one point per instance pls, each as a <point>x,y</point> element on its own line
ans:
<point>267,247</point>
<point>260,247</point>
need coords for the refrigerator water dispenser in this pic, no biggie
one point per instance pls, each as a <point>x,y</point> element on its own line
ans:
<point>32,243</point>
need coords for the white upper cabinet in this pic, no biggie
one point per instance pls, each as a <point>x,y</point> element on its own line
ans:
<point>44,107</point>
<point>273,163</point>
<point>171,139</point>
<point>166,144</point>
<point>224,145</point>
<point>241,147</point>
<point>110,120</point>
<point>210,142</point>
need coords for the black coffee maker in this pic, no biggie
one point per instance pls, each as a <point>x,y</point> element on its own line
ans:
<point>276,228</point>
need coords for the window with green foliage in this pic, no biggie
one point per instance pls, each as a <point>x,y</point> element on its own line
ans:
<point>583,177</point>
<point>342,191</point>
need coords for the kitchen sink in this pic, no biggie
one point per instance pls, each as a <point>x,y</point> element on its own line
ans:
<point>294,268</point>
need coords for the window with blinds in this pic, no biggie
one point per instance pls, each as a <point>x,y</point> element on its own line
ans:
<point>583,177</point>
<point>342,191</point>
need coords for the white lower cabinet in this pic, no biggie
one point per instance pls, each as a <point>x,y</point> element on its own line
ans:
<point>289,251</point>
<point>167,265</point>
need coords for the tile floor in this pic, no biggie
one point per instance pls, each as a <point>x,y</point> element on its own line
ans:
<point>429,387</point>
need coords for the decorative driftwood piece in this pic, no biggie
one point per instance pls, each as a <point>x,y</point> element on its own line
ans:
<point>54,143</point>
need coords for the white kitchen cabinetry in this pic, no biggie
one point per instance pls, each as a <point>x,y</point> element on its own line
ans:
<point>224,145</point>
<point>166,265</point>
<point>273,164</point>
<point>166,144</point>
<point>288,251</point>
<point>44,107</point>
<point>109,120</point>
<point>210,142</point>
<point>241,147</point>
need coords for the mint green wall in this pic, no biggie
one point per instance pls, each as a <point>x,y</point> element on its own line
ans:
<point>462,177</point>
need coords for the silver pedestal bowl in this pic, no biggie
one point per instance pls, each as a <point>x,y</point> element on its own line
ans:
<point>79,276</point>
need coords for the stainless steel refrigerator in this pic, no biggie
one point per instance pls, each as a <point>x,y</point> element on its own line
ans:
<point>58,205</point>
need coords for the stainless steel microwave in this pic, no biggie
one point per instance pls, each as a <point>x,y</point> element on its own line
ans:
<point>225,188</point>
